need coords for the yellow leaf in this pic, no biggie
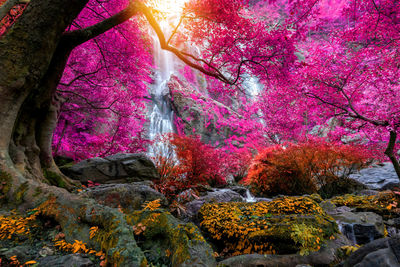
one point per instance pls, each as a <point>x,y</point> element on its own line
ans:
<point>30,262</point>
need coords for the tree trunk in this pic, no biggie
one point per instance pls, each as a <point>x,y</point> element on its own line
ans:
<point>28,78</point>
<point>33,154</point>
<point>390,152</point>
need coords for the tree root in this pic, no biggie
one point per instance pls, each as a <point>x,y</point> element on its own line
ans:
<point>75,215</point>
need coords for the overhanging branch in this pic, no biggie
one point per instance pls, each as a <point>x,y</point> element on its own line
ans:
<point>78,37</point>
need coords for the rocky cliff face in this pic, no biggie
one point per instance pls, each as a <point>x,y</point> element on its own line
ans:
<point>192,112</point>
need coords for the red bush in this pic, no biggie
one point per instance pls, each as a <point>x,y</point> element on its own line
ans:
<point>295,169</point>
<point>201,163</point>
<point>196,164</point>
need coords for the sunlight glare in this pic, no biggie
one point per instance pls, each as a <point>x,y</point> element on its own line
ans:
<point>169,8</point>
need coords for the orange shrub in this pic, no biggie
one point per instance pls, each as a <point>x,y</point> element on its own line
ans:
<point>296,169</point>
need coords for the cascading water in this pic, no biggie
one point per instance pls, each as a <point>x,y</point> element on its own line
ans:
<point>161,116</point>
<point>249,197</point>
<point>252,86</point>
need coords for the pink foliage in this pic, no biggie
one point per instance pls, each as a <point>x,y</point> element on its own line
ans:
<point>104,87</point>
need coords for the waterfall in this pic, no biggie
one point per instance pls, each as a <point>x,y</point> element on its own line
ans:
<point>252,86</point>
<point>161,115</point>
<point>348,231</point>
<point>249,197</point>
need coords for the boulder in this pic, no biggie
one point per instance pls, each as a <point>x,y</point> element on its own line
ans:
<point>167,241</point>
<point>393,226</point>
<point>75,260</point>
<point>383,204</point>
<point>384,252</point>
<point>130,197</point>
<point>395,222</point>
<point>119,168</point>
<point>360,227</point>
<point>378,176</point>
<point>23,253</point>
<point>217,196</point>
<point>282,226</point>
<point>242,190</point>
<point>327,256</point>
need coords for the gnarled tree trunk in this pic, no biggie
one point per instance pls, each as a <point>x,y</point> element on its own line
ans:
<point>33,54</point>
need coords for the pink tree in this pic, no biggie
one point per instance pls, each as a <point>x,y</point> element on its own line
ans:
<point>34,53</point>
<point>350,72</point>
<point>102,110</point>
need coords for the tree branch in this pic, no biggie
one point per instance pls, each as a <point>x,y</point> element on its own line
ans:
<point>78,37</point>
<point>164,45</point>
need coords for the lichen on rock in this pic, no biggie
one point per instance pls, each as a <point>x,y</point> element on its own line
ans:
<point>385,203</point>
<point>168,240</point>
<point>267,227</point>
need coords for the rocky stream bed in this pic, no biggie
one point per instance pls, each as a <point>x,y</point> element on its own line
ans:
<point>219,226</point>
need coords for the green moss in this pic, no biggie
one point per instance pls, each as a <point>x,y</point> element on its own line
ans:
<point>5,185</point>
<point>166,239</point>
<point>20,193</point>
<point>316,197</point>
<point>54,178</point>
<point>267,227</point>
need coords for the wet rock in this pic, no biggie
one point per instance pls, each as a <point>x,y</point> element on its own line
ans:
<point>119,168</point>
<point>75,260</point>
<point>327,256</point>
<point>127,196</point>
<point>360,227</point>
<point>239,189</point>
<point>383,252</point>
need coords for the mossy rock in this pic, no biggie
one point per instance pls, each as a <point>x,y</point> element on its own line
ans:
<point>282,226</point>
<point>167,240</point>
<point>384,203</point>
